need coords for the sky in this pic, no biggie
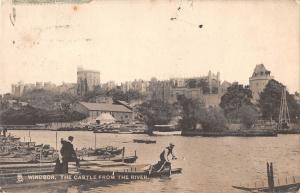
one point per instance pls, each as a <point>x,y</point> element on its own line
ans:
<point>131,39</point>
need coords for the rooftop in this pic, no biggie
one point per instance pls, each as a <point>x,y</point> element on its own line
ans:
<point>260,70</point>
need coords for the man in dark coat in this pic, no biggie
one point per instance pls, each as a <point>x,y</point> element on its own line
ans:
<point>68,154</point>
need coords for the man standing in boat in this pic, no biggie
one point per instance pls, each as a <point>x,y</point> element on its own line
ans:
<point>68,154</point>
<point>164,158</point>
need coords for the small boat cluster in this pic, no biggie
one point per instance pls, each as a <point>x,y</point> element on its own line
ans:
<point>13,150</point>
<point>25,163</point>
<point>108,153</point>
<point>119,128</point>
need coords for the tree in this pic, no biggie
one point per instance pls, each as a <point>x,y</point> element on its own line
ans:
<point>156,112</point>
<point>236,96</point>
<point>248,115</point>
<point>213,120</point>
<point>29,116</point>
<point>117,94</point>
<point>191,112</point>
<point>270,98</point>
<point>134,95</point>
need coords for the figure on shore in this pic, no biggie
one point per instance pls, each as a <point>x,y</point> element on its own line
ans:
<point>67,154</point>
<point>4,132</point>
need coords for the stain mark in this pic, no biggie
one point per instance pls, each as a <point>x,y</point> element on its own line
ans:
<point>12,16</point>
<point>62,26</point>
<point>75,8</point>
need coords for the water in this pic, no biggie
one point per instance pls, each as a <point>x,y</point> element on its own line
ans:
<point>210,165</point>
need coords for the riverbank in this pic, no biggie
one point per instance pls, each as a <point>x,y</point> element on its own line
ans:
<point>238,133</point>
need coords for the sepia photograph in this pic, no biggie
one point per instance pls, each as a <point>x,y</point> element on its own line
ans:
<point>148,96</point>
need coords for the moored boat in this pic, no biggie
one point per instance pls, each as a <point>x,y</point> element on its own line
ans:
<point>165,133</point>
<point>147,141</point>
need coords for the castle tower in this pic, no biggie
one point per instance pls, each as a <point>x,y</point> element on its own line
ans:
<point>87,80</point>
<point>259,80</point>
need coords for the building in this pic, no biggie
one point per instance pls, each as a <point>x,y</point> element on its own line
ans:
<point>87,80</point>
<point>126,86</point>
<point>70,88</point>
<point>206,89</point>
<point>140,86</point>
<point>259,80</point>
<point>223,87</point>
<point>109,85</point>
<point>20,88</point>
<point>159,90</point>
<point>17,89</point>
<point>121,113</point>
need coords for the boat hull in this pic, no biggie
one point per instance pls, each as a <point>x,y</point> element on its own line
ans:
<point>166,133</point>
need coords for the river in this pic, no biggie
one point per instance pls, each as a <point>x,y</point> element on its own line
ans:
<point>210,165</point>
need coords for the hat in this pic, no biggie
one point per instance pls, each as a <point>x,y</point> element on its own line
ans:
<point>171,144</point>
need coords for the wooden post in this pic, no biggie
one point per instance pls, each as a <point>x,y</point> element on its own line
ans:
<point>270,177</point>
<point>95,141</point>
<point>134,153</point>
<point>123,153</point>
<point>56,140</point>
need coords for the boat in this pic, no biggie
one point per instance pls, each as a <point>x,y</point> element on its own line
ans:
<point>104,151</point>
<point>128,172</point>
<point>107,131</point>
<point>4,154</point>
<point>126,159</point>
<point>147,141</point>
<point>166,133</point>
<point>109,150</point>
<point>283,186</point>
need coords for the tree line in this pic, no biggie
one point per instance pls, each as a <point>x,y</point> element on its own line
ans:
<point>237,106</point>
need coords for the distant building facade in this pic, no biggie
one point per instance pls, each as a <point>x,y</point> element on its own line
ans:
<point>140,86</point>
<point>17,89</point>
<point>20,88</point>
<point>259,80</point>
<point>87,80</point>
<point>207,89</point>
<point>109,85</point>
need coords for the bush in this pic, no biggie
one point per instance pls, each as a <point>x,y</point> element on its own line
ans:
<point>213,120</point>
<point>248,115</point>
<point>30,116</point>
<point>156,112</point>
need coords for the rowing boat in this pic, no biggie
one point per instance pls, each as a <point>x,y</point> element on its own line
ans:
<point>147,141</point>
<point>283,188</point>
<point>127,159</point>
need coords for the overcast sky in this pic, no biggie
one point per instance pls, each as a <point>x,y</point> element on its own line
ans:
<point>127,40</point>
